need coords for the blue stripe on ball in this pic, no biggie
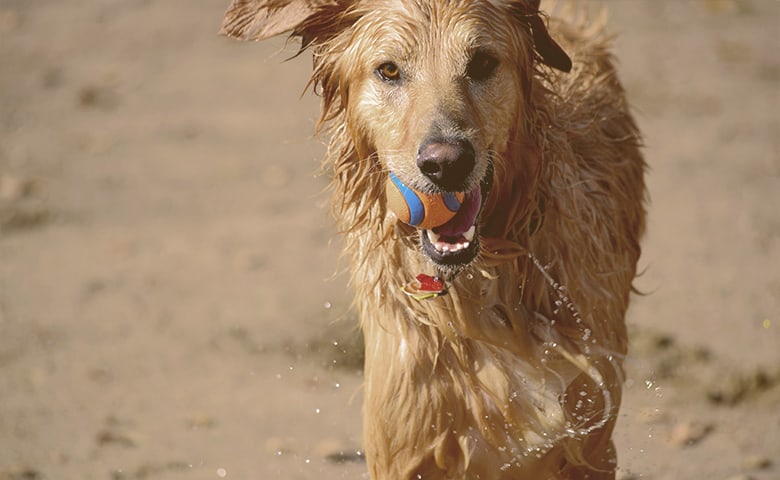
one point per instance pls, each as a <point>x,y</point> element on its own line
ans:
<point>416,208</point>
<point>451,201</point>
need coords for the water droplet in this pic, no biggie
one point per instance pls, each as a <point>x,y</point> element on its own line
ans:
<point>221,473</point>
<point>586,334</point>
<point>316,410</point>
<point>327,305</point>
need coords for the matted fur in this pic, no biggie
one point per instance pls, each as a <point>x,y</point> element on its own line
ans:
<point>516,373</point>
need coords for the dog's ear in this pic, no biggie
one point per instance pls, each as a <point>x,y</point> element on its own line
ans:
<point>260,19</point>
<point>550,53</point>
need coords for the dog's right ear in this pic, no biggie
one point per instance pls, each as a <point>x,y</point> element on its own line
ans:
<point>260,19</point>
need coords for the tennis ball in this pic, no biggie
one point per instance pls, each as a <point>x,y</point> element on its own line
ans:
<point>421,210</point>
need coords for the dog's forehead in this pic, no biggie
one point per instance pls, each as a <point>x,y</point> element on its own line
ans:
<point>410,27</point>
<point>443,15</point>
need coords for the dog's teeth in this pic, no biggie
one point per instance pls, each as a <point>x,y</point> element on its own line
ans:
<point>446,247</point>
<point>469,235</point>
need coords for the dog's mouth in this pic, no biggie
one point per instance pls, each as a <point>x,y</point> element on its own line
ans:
<point>456,244</point>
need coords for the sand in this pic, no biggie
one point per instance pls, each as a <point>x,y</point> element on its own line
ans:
<point>171,302</point>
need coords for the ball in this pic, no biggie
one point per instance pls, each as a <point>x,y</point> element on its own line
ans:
<point>421,210</point>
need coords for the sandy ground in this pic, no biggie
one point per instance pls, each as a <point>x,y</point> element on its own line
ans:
<point>169,303</point>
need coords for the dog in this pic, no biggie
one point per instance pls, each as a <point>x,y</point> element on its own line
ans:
<point>494,342</point>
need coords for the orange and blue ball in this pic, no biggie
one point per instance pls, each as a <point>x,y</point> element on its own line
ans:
<point>418,209</point>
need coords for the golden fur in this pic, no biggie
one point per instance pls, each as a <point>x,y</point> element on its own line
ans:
<point>516,373</point>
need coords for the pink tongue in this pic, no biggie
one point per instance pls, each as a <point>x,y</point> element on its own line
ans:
<point>465,218</point>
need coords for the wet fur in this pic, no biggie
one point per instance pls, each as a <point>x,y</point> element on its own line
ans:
<point>516,373</point>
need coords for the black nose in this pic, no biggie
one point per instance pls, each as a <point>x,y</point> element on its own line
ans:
<point>447,163</point>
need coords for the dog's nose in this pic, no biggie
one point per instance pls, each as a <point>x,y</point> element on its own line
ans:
<point>447,163</point>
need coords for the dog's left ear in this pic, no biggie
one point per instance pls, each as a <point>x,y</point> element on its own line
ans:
<point>550,53</point>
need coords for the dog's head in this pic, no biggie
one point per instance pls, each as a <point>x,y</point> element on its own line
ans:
<point>434,91</point>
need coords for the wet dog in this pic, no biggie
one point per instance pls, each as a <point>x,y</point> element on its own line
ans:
<point>494,341</point>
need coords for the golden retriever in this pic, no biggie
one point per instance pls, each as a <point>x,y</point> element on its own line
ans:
<point>504,362</point>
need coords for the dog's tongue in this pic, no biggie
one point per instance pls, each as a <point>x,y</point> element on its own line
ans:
<point>466,216</point>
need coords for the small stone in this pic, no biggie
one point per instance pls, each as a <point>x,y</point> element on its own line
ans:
<point>689,433</point>
<point>13,188</point>
<point>652,416</point>
<point>112,436</point>
<point>741,476</point>
<point>277,446</point>
<point>756,462</point>
<point>97,96</point>
<point>337,451</point>
<point>327,446</point>
<point>624,475</point>
<point>24,473</point>
<point>201,420</point>
<point>349,456</point>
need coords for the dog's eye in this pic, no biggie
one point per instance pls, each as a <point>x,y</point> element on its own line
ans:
<point>389,72</point>
<point>481,66</point>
